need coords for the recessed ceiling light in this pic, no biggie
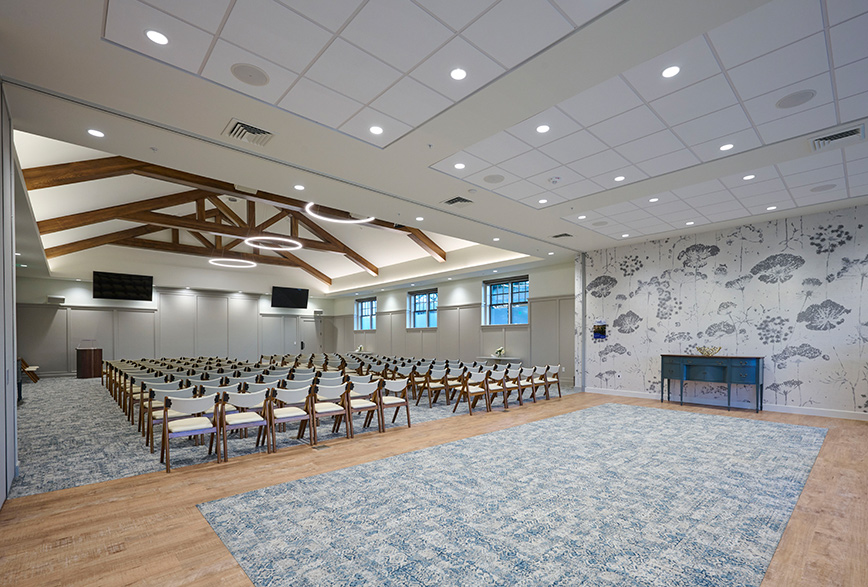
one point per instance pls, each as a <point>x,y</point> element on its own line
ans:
<point>671,71</point>
<point>449,279</point>
<point>495,271</point>
<point>551,252</point>
<point>239,291</point>
<point>309,209</point>
<point>419,218</point>
<point>620,178</point>
<point>795,99</point>
<point>749,177</point>
<point>376,130</point>
<point>232,263</point>
<point>770,208</point>
<point>458,74</point>
<point>299,187</point>
<point>412,285</point>
<point>459,166</point>
<point>188,287</point>
<point>652,200</point>
<point>495,239</point>
<point>22,265</point>
<point>543,128</point>
<point>157,37</point>
<point>95,133</point>
<point>624,235</point>
<point>726,147</point>
<point>17,254</point>
<point>543,201</point>
<point>582,217</point>
<point>383,289</point>
<point>688,223</point>
<point>78,279</point>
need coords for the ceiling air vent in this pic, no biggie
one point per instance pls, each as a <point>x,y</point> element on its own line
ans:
<point>839,139</point>
<point>458,202</point>
<point>247,133</point>
<point>562,235</point>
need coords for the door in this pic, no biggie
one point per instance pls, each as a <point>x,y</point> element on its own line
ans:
<point>310,334</point>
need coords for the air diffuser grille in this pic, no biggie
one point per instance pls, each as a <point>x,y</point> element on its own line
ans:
<point>839,139</point>
<point>241,131</point>
<point>458,202</point>
<point>562,235</point>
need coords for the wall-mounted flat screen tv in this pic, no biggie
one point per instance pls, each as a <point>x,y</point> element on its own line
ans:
<point>122,286</point>
<point>288,297</point>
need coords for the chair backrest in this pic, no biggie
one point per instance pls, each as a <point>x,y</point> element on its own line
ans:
<point>540,371</point>
<point>394,385</point>
<point>514,365</point>
<point>172,385</point>
<point>189,406</point>
<point>366,389</point>
<point>553,371</point>
<point>437,374</point>
<point>162,394</point>
<point>244,400</point>
<point>359,378</point>
<point>292,397</point>
<point>209,389</point>
<point>296,383</point>
<point>237,380</point>
<point>330,393</point>
<point>476,378</point>
<point>330,377</point>
<point>254,387</point>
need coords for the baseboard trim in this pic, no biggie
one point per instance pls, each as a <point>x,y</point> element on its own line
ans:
<point>800,410</point>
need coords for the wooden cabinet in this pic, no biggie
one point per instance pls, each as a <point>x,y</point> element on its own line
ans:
<point>729,370</point>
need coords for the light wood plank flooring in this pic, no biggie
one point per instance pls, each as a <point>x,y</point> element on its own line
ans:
<point>146,530</point>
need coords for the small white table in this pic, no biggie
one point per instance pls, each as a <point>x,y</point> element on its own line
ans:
<point>499,360</point>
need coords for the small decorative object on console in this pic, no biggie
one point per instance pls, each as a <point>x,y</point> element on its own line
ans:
<point>708,351</point>
<point>498,352</point>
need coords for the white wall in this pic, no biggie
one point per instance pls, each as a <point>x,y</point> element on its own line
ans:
<point>8,356</point>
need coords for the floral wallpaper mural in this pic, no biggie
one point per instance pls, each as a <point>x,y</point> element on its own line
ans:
<point>794,291</point>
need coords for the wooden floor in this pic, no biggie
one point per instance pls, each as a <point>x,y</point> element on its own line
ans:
<point>146,530</point>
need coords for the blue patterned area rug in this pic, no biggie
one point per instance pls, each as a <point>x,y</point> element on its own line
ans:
<point>613,495</point>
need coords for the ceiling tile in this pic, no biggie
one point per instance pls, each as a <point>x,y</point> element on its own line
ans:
<point>852,79</point>
<point>763,208</point>
<point>599,163</point>
<point>499,147</point>
<point>543,200</point>
<point>579,189</point>
<point>848,41</point>
<point>791,64</point>
<point>651,146</point>
<point>411,102</point>
<point>456,13</point>
<point>799,124</point>
<point>698,189</point>
<point>555,178</point>
<point>320,104</point>
<point>765,29</point>
<point>815,161</point>
<point>825,193</point>
<point>519,190</point>
<point>693,57</point>
<point>260,27</point>
<point>492,178</point>
<point>664,209</point>
<point>615,230</point>
<point>530,163</point>
<point>669,162</point>
<point>859,166</point>
<point>853,107</point>
<point>629,126</point>
<point>831,174</point>
<point>694,101</point>
<point>331,15</point>
<point>582,11</point>
<point>603,101</point>
<point>724,216</point>
<point>359,125</point>
<point>224,56</point>
<point>858,181</point>
<point>514,30</point>
<point>127,21</point>
<point>205,14</point>
<point>760,174</point>
<point>660,197</point>
<point>678,216</point>
<point>352,72</point>
<point>655,228</point>
<point>575,146</point>
<point>631,175</point>
<point>632,217</point>
<point>841,10</point>
<point>743,141</point>
<point>589,217</point>
<point>471,164</point>
<point>755,188</point>
<point>619,208</point>
<point>716,208</point>
<point>713,126</point>
<point>821,198</point>
<point>858,151</point>
<point>434,71</point>
<point>712,198</point>
<point>763,108</point>
<point>560,125</point>
<point>398,32</point>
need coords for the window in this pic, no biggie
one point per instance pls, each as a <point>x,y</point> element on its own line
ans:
<point>506,301</point>
<point>422,309</point>
<point>366,314</point>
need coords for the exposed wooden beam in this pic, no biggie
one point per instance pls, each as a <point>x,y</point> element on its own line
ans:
<point>281,214</point>
<point>251,213</point>
<point>328,237</point>
<point>424,241</point>
<point>67,173</point>
<point>306,266</point>
<point>113,212</point>
<point>200,209</point>
<point>212,252</point>
<point>228,212</point>
<point>97,241</point>
<point>201,238</point>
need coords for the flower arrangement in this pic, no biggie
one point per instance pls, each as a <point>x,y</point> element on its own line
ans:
<point>498,352</point>
<point>360,349</point>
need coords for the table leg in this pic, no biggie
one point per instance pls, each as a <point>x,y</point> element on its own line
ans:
<point>728,395</point>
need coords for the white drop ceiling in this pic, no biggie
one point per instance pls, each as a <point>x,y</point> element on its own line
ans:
<point>588,70</point>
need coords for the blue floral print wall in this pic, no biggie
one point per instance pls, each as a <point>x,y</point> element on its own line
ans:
<point>793,290</point>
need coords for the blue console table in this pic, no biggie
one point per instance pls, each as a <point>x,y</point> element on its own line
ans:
<point>729,370</point>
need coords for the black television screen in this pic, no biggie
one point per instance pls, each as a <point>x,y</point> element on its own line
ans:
<point>288,297</point>
<point>122,286</point>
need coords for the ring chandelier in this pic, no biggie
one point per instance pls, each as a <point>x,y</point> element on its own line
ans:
<point>265,242</point>
<point>310,212</point>
<point>233,263</point>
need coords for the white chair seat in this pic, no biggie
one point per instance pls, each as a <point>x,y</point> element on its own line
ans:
<point>288,412</point>
<point>391,400</point>
<point>327,408</point>
<point>243,418</point>
<point>362,403</point>
<point>186,424</point>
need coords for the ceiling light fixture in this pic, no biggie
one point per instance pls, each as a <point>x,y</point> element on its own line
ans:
<point>23,265</point>
<point>688,223</point>
<point>671,71</point>
<point>582,217</point>
<point>551,252</point>
<point>495,271</point>
<point>459,166</point>
<point>749,177</point>
<point>624,235</point>
<point>288,243</point>
<point>17,254</point>
<point>495,239</point>
<point>770,208</point>
<point>458,74</point>
<point>795,99</point>
<point>726,147</point>
<point>310,212</point>
<point>157,37</point>
<point>95,133</point>
<point>448,279</point>
<point>78,279</point>
<point>299,187</point>
<point>376,130</point>
<point>652,200</point>
<point>543,201</point>
<point>543,128</point>
<point>620,178</point>
<point>232,263</point>
<point>419,218</point>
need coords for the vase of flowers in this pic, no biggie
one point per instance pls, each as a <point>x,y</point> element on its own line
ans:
<point>498,352</point>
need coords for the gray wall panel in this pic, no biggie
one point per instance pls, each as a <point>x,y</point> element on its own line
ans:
<point>177,317</point>
<point>272,335</point>
<point>42,338</point>
<point>96,325</point>
<point>212,326</point>
<point>136,336</point>
<point>243,329</point>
